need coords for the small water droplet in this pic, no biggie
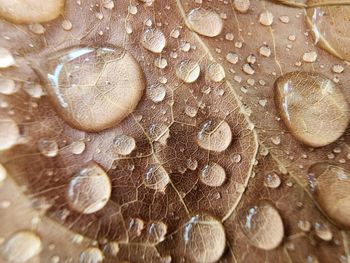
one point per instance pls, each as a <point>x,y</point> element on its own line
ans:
<point>153,40</point>
<point>7,86</point>
<point>214,135</point>
<point>272,180</point>
<point>156,177</point>
<point>215,72</point>
<point>242,5</point>
<point>263,226</point>
<point>205,22</point>
<point>188,71</point>
<point>91,255</point>
<point>232,57</point>
<point>156,232</point>
<point>265,51</point>
<point>323,232</point>
<point>304,225</point>
<point>266,18</point>
<point>6,58</point>
<point>203,238</point>
<point>21,247</point>
<point>48,147</point>
<point>112,248</point>
<point>124,144</point>
<point>77,147</point>
<point>67,25</point>
<point>37,28</point>
<point>89,189</point>
<point>212,175</point>
<point>310,56</point>
<point>135,226</point>
<point>156,92</point>
<point>191,111</point>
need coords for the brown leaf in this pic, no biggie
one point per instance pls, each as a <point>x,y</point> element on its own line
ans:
<point>177,102</point>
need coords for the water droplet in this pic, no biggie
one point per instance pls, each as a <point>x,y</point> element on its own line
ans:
<point>9,133</point>
<point>3,173</point>
<point>109,80</point>
<point>265,51</point>
<point>241,5</point>
<point>312,107</point>
<point>89,189</point>
<point>153,40</point>
<point>329,26</point>
<point>191,111</point>
<point>21,247</point>
<point>204,238</point>
<point>6,58</point>
<point>215,72</point>
<point>214,135</point>
<point>212,175</point>
<point>156,177</point>
<point>33,89</point>
<point>31,11</point>
<point>135,226</point>
<point>67,25</point>
<point>48,147</point>
<point>7,86</point>
<point>232,57</point>
<point>188,71</point>
<point>205,22</point>
<point>156,232</point>
<point>263,226</point>
<point>332,185</point>
<point>272,180</point>
<point>156,92</point>
<point>304,225</point>
<point>323,232</point>
<point>77,147</point>
<point>160,62</point>
<point>124,144</point>
<point>112,248</point>
<point>91,255</point>
<point>37,28</point>
<point>266,18</point>
<point>310,56</point>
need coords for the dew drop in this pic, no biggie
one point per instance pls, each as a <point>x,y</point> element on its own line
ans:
<point>312,107</point>
<point>21,247</point>
<point>156,92</point>
<point>188,71</point>
<point>7,86</point>
<point>304,225</point>
<point>77,147</point>
<point>272,180</point>
<point>156,177</point>
<point>9,133</point>
<point>109,79</point>
<point>265,51</point>
<point>112,248</point>
<point>31,11</point>
<point>214,135</point>
<point>329,27</point>
<point>37,28</point>
<point>67,25</point>
<point>6,58</point>
<point>156,232</point>
<point>160,62</point>
<point>205,22</point>
<point>212,175</point>
<point>91,255</point>
<point>263,226</point>
<point>204,238</point>
<point>242,5</point>
<point>153,40</point>
<point>323,232</point>
<point>135,226</point>
<point>310,56</point>
<point>215,72</point>
<point>331,192</point>
<point>124,144</point>
<point>191,111</point>
<point>266,18</point>
<point>232,57</point>
<point>48,147</point>
<point>89,189</point>
<point>3,173</point>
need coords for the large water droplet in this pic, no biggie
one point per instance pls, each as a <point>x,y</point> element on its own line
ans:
<point>215,135</point>
<point>188,71</point>
<point>124,144</point>
<point>156,177</point>
<point>312,107</point>
<point>89,189</point>
<point>205,22</point>
<point>263,226</point>
<point>212,175</point>
<point>332,191</point>
<point>9,133</point>
<point>329,26</point>
<point>91,255</point>
<point>204,238</point>
<point>30,11</point>
<point>48,147</point>
<point>93,88</point>
<point>154,40</point>
<point>21,247</point>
